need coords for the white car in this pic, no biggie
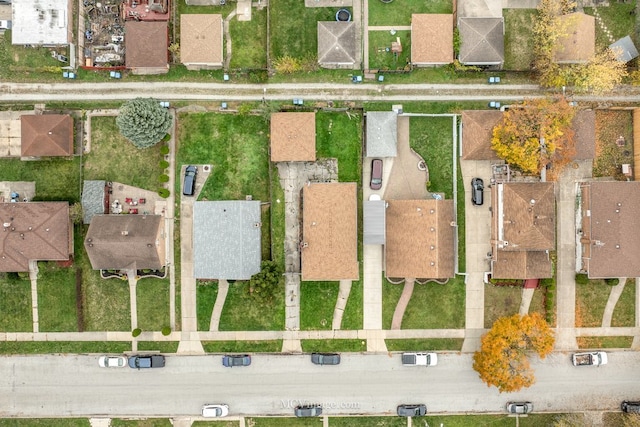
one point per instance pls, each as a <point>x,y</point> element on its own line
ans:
<point>210,410</point>
<point>112,361</point>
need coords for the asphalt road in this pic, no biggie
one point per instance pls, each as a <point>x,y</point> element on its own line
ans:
<point>74,385</point>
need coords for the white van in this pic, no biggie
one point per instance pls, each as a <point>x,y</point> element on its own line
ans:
<point>210,410</point>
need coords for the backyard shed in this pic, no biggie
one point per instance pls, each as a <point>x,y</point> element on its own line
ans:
<point>382,133</point>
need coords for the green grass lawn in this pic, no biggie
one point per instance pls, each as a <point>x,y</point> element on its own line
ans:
<point>41,347</point>
<point>352,318</point>
<point>380,55</point>
<point>604,342</point>
<point>518,38</point>
<point>244,313</point>
<point>269,346</point>
<point>153,303</point>
<point>346,345</point>
<point>618,19</point>
<point>317,302</point>
<point>500,301</point>
<point>399,13</point>
<point>44,422</point>
<point>57,298</point>
<point>249,41</point>
<point>339,135</point>
<point>148,422</point>
<point>15,303</point>
<point>114,158</point>
<point>430,344</point>
<point>624,314</point>
<point>277,217</point>
<point>21,63</point>
<point>592,298</point>
<point>432,306</point>
<point>432,138</point>
<point>611,124</point>
<point>161,346</point>
<point>215,424</point>
<point>65,186</point>
<point>206,293</point>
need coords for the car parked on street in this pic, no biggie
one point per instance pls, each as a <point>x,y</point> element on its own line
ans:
<point>519,407</point>
<point>5,25</point>
<point>325,358</point>
<point>146,361</point>
<point>630,407</point>
<point>189,185</point>
<point>214,410</point>
<point>232,360</point>
<point>376,174</point>
<point>112,361</point>
<point>308,410</point>
<point>477,191</point>
<point>413,410</point>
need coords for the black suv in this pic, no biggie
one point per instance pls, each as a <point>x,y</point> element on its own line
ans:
<point>189,186</point>
<point>477,191</point>
<point>146,361</point>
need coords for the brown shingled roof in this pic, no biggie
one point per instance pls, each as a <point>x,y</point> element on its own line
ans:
<point>146,44</point>
<point>293,137</point>
<point>201,39</point>
<point>521,265</point>
<point>125,242</point>
<point>36,231</point>
<point>330,247</point>
<point>431,39</point>
<point>420,239</point>
<point>579,42</point>
<point>46,135</point>
<point>477,132</point>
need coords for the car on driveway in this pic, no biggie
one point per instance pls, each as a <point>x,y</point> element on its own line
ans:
<point>376,174</point>
<point>146,361</point>
<point>325,358</point>
<point>630,407</point>
<point>5,25</point>
<point>231,360</point>
<point>413,410</point>
<point>112,361</point>
<point>308,411</point>
<point>519,407</point>
<point>477,191</point>
<point>189,185</point>
<point>214,410</point>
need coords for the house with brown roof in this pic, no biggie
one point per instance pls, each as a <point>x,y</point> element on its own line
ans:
<point>46,135</point>
<point>201,41</point>
<point>146,46</point>
<point>293,137</point>
<point>609,228</point>
<point>329,249</point>
<point>578,44</point>
<point>481,41</point>
<point>477,132</point>
<point>34,231</point>
<point>523,229</point>
<point>420,239</point>
<point>431,39</point>
<point>338,45</point>
<point>126,242</point>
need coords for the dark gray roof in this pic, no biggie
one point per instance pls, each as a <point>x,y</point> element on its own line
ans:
<point>482,41</point>
<point>374,222</point>
<point>624,49</point>
<point>382,134</point>
<point>226,239</point>
<point>336,42</point>
<point>92,199</point>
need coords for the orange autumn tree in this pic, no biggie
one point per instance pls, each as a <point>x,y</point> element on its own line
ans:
<point>536,133</point>
<point>502,360</point>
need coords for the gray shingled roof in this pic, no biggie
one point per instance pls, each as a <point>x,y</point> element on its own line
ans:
<point>624,49</point>
<point>382,134</point>
<point>226,239</point>
<point>336,42</point>
<point>482,41</point>
<point>374,222</point>
<point>92,199</point>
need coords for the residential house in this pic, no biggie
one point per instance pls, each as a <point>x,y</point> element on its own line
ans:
<point>420,239</point>
<point>338,45</point>
<point>382,133</point>
<point>329,249</point>
<point>481,41</point>
<point>523,229</point>
<point>146,45</point>
<point>293,137</point>
<point>609,228</point>
<point>34,231</point>
<point>46,135</point>
<point>578,44</point>
<point>227,239</point>
<point>126,242</point>
<point>42,22</point>
<point>431,39</point>
<point>201,41</point>
<point>145,10</point>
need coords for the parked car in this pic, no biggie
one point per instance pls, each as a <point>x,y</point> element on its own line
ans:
<point>414,410</point>
<point>211,410</point>
<point>112,361</point>
<point>232,360</point>
<point>376,174</point>
<point>596,358</point>
<point>477,191</point>
<point>189,186</point>
<point>419,359</point>
<point>519,407</point>
<point>5,25</point>
<point>325,358</point>
<point>630,407</point>
<point>146,361</point>
<point>308,411</point>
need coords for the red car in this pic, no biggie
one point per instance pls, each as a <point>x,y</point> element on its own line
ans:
<point>376,174</point>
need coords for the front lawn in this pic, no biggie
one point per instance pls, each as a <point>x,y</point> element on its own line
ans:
<point>604,342</point>
<point>243,312</point>
<point>49,347</point>
<point>500,301</point>
<point>335,345</point>
<point>206,293</point>
<point>518,38</point>
<point>15,303</point>
<point>610,126</point>
<point>153,303</point>
<point>268,346</point>
<point>430,344</point>
<point>339,135</point>
<point>399,12</point>
<point>114,158</point>
<point>591,299</point>
<point>317,303</point>
<point>380,55</point>
<point>57,298</point>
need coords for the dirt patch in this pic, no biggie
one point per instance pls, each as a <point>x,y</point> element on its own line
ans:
<point>614,143</point>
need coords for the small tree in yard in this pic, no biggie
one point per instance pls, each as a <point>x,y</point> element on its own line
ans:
<point>502,360</point>
<point>143,122</point>
<point>265,284</point>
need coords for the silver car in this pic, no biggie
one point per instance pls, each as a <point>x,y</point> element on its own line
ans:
<point>519,407</point>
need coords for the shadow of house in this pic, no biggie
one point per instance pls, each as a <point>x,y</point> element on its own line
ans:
<point>481,41</point>
<point>201,41</point>
<point>226,239</point>
<point>146,44</point>
<point>293,137</point>
<point>338,45</point>
<point>329,249</point>
<point>431,39</point>
<point>126,242</point>
<point>46,135</point>
<point>34,231</point>
<point>578,44</point>
<point>382,133</point>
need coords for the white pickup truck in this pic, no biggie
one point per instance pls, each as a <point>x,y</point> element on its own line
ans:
<point>419,359</point>
<point>596,358</point>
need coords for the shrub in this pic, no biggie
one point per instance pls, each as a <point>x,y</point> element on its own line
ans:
<point>612,281</point>
<point>164,164</point>
<point>164,150</point>
<point>136,332</point>
<point>166,330</point>
<point>582,279</point>
<point>166,138</point>
<point>163,192</point>
<point>163,178</point>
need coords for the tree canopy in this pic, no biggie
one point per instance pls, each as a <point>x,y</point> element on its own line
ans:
<point>266,284</point>
<point>535,134</point>
<point>502,359</point>
<point>143,122</point>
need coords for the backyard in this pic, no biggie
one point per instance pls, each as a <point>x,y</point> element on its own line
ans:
<point>518,38</point>
<point>614,143</point>
<point>619,18</point>
<point>380,55</point>
<point>399,13</point>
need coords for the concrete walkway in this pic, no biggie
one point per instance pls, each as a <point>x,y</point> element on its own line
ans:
<point>33,277</point>
<point>223,290</point>
<point>403,302</point>
<point>525,302</point>
<point>341,303</point>
<point>133,297</point>
<point>372,286</point>
<point>614,296</point>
